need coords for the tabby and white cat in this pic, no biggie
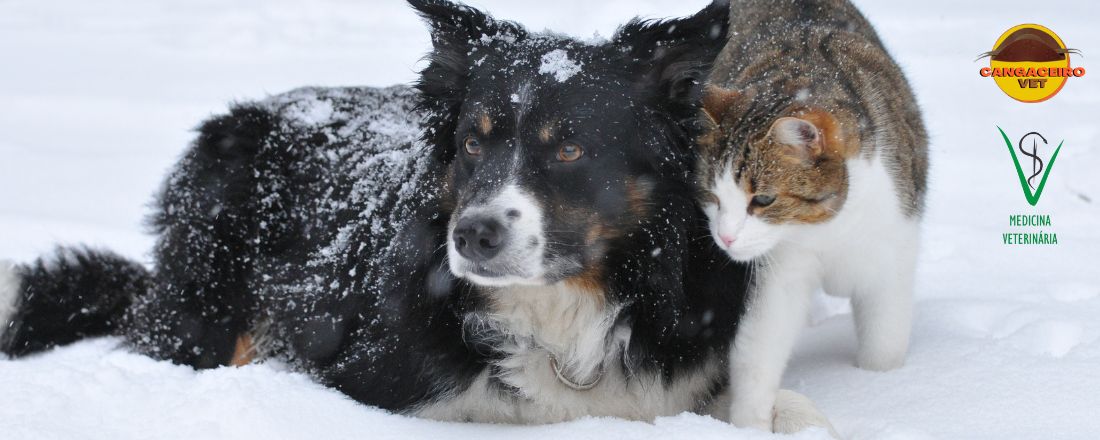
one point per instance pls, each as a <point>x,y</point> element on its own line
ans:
<point>813,164</point>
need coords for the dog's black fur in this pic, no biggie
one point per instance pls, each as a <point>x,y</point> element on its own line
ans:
<point>316,220</point>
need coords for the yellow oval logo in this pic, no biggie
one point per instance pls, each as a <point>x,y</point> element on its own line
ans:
<point>1030,63</point>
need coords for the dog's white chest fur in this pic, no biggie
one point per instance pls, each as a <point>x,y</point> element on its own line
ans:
<point>579,331</point>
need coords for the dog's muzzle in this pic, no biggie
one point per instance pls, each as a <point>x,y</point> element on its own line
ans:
<point>499,242</point>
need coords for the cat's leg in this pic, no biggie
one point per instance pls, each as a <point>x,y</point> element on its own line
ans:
<point>883,324</point>
<point>883,306</point>
<point>766,335</point>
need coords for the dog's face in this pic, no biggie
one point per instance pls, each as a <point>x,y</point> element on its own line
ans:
<point>556,146</point>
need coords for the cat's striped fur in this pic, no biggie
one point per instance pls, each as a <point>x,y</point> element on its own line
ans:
<point>813,164</point>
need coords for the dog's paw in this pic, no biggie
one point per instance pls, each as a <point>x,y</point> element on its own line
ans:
<point>794,413</point>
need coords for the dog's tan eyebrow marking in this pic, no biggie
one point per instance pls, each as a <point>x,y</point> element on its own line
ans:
<point>546,133</point>
<point>484,124</point>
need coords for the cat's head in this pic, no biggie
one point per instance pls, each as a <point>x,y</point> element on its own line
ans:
<point>764,173</point>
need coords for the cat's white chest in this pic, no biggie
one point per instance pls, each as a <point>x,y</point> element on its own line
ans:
<point>870,230</point>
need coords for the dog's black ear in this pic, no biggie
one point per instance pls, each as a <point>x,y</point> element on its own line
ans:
<point>456,30</point>
<point>675,56</point>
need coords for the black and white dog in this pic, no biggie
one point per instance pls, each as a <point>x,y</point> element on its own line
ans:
<point>528,251</point>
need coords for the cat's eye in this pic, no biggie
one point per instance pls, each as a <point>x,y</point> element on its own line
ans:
<point>472,146</point>
<point>763,201</point>
<point>570,152</point>
<point>710,197</point>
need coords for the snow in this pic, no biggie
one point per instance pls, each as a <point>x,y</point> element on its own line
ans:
<point>311,111</point>
<point>556,63</point>
<point>111,394</point>
<point>98,100</point>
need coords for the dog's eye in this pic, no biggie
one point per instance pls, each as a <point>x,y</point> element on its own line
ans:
<point>570,152</point>
<point>472,146</point>
<point>763,201</point>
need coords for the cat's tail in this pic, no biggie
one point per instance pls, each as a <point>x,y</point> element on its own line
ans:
<point>70,295</point>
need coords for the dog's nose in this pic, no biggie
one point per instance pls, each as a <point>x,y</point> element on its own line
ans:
<point>478,239</point>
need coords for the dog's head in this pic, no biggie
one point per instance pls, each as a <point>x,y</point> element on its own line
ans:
<point>556,147</point>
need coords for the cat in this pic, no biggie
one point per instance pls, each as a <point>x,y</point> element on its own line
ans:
<point>812,165</point>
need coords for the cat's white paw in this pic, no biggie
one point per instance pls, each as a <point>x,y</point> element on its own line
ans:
<point>751,421</point>
<point>794,413</point>
<point>752,413</point>
<point>9,293</point>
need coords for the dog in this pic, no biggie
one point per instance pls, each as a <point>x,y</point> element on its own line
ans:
<point>516,240</point>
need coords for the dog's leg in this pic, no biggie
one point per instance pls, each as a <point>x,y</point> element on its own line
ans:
<point>216,217</point>
<point>190,323</point>
<point>794,413</point>
<point>766,335</point>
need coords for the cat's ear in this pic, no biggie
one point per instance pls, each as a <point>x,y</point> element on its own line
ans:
<point>801,137</point>
<point>718,103</point>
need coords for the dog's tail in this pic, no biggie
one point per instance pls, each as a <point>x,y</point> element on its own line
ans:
<point>62,298</point>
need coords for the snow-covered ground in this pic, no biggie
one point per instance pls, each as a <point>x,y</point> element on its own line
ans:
<point>97,100</point>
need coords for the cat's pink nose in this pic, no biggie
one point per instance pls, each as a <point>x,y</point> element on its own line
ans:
<point>727,239</point>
